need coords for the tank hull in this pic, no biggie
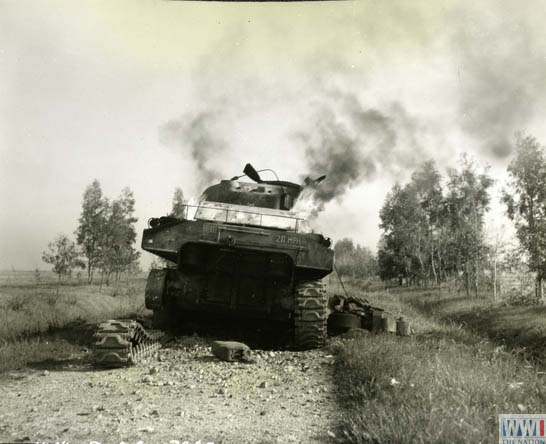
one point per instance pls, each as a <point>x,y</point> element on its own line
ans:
<point>232,271</point>
<point>235,284</point>
<point>184,243</point>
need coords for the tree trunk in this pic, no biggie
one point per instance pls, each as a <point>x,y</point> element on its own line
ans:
<point>538,288</point>
<point>433,268</point>
<point>467,280</point>
<point>495,277</point>
<point>476,283</point>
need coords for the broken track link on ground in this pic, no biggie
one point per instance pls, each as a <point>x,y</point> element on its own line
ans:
<point>120,343</point>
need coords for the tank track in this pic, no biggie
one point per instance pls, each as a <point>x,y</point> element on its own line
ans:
<point>122,343</point>
<point>310,315</point>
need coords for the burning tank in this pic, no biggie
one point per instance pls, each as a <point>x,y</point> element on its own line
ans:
<point>242,252</point>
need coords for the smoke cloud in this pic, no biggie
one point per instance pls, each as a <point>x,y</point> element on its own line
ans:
<point>196,134</point>
<point>446,73</point>
<point>351,143</point>
<point>502,78</point>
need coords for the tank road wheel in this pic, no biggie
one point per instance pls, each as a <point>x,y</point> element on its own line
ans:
<point>310,316</point>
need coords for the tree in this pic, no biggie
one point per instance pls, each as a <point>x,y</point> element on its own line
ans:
<point>127,235</point>
<point>116,242</point>
<point>64,256</point>
<point>92,222</point>
<point>496,250</point>
<point>467,201</point>
<point>355,261</point>
<point>426,184</point>
<point>343,250</point>
<point>412,222</point>
<point>365,262</point>
<point>398,223</point>
<point>429,233</point>
<point>525,200</point>
<point>179,204</point>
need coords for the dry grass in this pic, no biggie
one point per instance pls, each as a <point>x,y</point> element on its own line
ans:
<point>35,352</point>
<point>446,384</point>
<point>31,313</point>
<point>521,329</point>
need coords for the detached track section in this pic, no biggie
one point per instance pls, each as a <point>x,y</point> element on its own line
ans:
<point>122,343</point>
<point>310,315</point>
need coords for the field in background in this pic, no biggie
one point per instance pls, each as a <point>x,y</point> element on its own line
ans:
<point>36,317</point>
<point>468,361</point>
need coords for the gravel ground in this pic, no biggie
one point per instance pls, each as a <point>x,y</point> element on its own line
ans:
<point>184,394</point>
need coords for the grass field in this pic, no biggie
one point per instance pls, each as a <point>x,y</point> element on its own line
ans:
<point>468,361</point>
<point>36,317</point>
<point>520,329</point>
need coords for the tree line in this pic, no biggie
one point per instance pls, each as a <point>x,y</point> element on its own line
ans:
<point>433,226</point>
<point>354,260</point>
<point>105,238</point>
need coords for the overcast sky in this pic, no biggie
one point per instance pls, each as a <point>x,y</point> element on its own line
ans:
<point>157,94</point>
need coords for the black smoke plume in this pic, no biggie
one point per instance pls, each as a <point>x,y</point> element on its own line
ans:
<point>196,134</point>
<point>351,143</point>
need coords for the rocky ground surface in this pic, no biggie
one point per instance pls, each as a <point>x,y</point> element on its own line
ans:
<point>184,393</point>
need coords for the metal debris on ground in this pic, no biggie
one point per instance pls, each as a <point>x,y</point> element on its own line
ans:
<point>348,312</point>
<point>121,343</point>
<point>232,351</point>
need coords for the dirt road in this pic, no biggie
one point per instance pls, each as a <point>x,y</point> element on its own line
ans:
<point>183,394</point>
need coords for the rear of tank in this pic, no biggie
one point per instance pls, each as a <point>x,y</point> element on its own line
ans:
<point>234,270</point>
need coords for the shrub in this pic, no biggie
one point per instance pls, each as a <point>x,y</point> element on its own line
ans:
<point>518,298</point>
